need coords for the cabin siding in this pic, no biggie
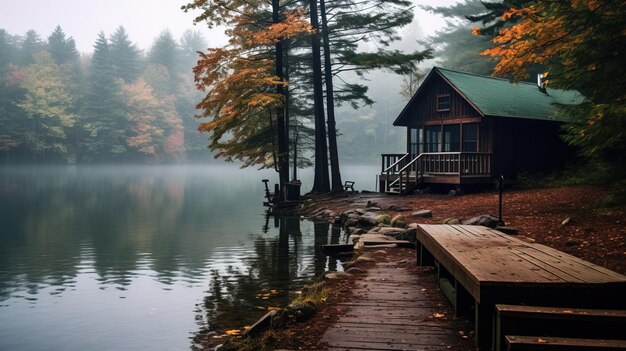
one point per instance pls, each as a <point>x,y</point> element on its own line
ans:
<point>424,108</point>
<point>524,145</point>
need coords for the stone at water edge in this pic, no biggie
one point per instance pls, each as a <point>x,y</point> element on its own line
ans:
<point>422,214</point>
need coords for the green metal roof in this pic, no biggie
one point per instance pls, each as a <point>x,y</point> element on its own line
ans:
<point>501,97</point>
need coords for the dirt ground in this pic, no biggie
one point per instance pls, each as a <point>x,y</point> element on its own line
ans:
<point>595,233</point>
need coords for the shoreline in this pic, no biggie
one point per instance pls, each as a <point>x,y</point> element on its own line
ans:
<point>553,219</point>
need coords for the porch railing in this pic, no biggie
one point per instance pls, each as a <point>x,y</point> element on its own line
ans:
<point>407,167</point>
<point>456,163</point>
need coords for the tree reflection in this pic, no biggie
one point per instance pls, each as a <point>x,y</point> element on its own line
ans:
<point>268,280</point>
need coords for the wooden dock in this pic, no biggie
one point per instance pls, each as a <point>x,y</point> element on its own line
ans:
<point>480,267</point>
<point>396,308</point>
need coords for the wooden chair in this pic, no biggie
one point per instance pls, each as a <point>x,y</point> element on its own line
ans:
<point>348,185</point>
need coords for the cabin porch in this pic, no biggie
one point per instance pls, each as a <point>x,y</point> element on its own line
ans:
<point>402,173</point>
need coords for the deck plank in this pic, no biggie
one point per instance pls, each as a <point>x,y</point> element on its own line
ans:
<point>394,309</point>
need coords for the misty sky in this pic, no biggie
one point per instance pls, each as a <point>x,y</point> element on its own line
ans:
<point>143,19</point>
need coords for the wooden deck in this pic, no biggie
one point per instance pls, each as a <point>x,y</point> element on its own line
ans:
<point>395,309</point>
<point>485,267</point>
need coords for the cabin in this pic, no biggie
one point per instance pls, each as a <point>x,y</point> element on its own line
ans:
<point>464,128</point>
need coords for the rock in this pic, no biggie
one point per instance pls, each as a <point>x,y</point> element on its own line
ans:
<point>451,221</point>
<point>392,207</point>
<point>484,220</point>
<point>299,312</point>
<point>410,235</point>
<point>567,221</point>
<point>383,225</point>
<point>371,204</point>
<point>399,208</point>
<point>383,218</point>
<point>398,221</point>
<point>335,275</point>
<point>390,231</point>
<point>413,225</point>
<point>374,230</point>
<point>452,192</point>
<point>355,270</point>
<point>353,239</point>
<point>365,258</point>
<point>507,230</point>
<point>422,214</point>
<point>359,231</point>
<point>367,220</point>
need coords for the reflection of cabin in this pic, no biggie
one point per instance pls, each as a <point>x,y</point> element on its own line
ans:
<point>464,128</point>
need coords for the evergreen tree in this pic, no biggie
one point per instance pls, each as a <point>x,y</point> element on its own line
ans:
<point>103,110</point>
<point>125,56</point>
<point>191,42</point>
<point>62,49</point>
<point>164,52</point>
<point>582,45</point>
<point>31,45</point>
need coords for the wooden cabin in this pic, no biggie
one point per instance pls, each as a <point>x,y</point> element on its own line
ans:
<point>464,128</point>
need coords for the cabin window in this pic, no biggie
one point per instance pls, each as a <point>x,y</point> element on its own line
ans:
<point>451,138</point>
<point>443,103</point>
<point>416,141</point>
<point>433,138</point>
<point>470,137</point>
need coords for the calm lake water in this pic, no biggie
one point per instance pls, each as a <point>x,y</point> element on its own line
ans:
<point>146,257</point>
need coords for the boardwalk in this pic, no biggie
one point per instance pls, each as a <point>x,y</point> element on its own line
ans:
<point>396,307</point>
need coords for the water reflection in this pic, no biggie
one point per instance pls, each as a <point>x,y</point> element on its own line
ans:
<point>143,257</point>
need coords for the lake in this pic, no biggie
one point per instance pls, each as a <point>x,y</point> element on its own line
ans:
<point>147,257</point>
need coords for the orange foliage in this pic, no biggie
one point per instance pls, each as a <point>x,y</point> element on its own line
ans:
<point>239,81</point>
<point>540,35</point>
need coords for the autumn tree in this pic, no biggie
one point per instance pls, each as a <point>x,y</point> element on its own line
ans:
<point>582,45</point>
<point>47,107</point>
<point>244,81</point>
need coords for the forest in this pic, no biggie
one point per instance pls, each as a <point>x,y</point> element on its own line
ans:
<point>117,104</point>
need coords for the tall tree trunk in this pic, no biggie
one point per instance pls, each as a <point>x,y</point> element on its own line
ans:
<point>337,184</point>
<point>281,125</point>
<point>321,183</point>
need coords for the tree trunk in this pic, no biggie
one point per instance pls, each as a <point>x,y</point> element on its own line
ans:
<point>337,184</point>
<point>281,125</point>
<point>321,183</point>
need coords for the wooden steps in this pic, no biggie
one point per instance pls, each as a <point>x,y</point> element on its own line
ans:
<point>557,321</point>
<point>535,343</point>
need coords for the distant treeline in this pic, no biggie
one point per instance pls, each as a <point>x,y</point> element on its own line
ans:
<point>117,104</point>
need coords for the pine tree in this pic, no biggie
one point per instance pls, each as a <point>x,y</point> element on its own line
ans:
<point>31,45</point>
<point>125,56</point>
<point>164,52</point>
<point>582,45</point>
<point>104,121</point>
<point>62,49</point>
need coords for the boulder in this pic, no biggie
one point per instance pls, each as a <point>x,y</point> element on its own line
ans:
<point>422,214</point>
<point>383,218</point>
<point>335,275</point>
<point>484,220</point>
<point>398,221</point>
<point>410,235</point>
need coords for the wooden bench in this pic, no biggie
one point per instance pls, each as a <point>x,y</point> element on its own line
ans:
<point>557,322</point>
<point>348,185</point>
<point>487,267</point>
<point>532,343</point>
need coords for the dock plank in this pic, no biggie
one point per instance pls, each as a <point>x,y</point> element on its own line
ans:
<point>395,308</point>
